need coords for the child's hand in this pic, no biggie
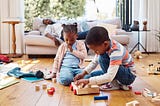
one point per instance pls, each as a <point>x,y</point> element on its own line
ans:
<point>54,75</point>
<point>82,81</point>
<point>70,48</point>
<point>78,76</point>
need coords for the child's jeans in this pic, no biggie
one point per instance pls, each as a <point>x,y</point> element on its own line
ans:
<point>124,75</point>
<point>67,74</point>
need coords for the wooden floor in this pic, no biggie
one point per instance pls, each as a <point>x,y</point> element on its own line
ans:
<point>24,94</point>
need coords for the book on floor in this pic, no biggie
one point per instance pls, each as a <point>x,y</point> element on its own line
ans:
<point>32,79</point>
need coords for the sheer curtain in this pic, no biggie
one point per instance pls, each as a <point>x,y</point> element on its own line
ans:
<point>150,11</point>
<point>11,9</point>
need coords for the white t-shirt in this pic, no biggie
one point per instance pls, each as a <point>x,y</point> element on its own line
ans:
<point>38,25</point>
<point>54,29</point>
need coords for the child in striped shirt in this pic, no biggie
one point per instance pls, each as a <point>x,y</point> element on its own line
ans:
<point>115,61</point>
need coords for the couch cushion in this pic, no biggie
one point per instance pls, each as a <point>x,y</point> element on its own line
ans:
<point>110,28</point>
<point>34,33</point>
<point>38,40</point>
<point>123,39</point>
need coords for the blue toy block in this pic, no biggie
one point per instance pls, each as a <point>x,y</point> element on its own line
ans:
<point>100,97</point>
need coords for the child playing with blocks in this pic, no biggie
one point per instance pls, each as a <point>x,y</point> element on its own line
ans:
<point>69,58</point>
<point>116,63</point>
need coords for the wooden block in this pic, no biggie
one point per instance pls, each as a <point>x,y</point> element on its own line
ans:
<point>153,70</point>
<point>101,97</point>
<point>138,92</point>
<point>156,99</point>
<point>86,90</point>
<point>147,93</point>
<point>37,87</point>
<point>44,86</point>
<point>133,103</point>
<point>88,60</point>
<point>54,80</point>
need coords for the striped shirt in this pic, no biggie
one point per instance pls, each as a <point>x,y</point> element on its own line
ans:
<point>118,56</point>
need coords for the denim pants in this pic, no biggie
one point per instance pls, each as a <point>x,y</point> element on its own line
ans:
<point>124,75</point>
<point>67,74</point>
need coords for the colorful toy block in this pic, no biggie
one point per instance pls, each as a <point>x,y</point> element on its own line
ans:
<point>80,90</point>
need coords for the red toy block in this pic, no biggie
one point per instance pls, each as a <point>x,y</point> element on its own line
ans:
<point>138,92</point>
<point>51,90</point>
<point>71,87</point>
<point>130,87</point>
<point>75,92</point>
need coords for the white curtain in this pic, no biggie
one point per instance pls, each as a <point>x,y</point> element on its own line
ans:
<point>148,10</point>
<point>153,15</point>
<point>11,9</point>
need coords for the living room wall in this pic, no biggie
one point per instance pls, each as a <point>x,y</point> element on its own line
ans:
<point>11,9</point>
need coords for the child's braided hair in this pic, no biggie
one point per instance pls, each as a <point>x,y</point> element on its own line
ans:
<point>70,28</point>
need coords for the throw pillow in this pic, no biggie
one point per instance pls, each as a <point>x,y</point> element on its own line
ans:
<point>34,33</point>
<point>110,28</point>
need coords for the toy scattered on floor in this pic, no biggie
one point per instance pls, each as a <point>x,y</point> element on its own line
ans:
<point>148,93</point>
<point>37,87</point>
<point>154,69</point>
<point>156,98</point>
<point>54,80</point>
<point>151,95</point>
<point>137,54</point>
<point>44,86</point>
<point>80,90</point>
<point>5,59</point>
<point>138,92</point>
<point>50,90</point>
<point>133,103</point>
<point>88,60</point>
<point>101,97</point>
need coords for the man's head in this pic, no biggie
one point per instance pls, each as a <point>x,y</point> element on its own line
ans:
<point>98,40</point>
<point>48,21</point>
<point>70,33</point>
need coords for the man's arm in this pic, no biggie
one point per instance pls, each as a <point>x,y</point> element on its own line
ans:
<point>49,32</point>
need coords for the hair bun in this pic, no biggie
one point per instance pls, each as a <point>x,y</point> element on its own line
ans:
<point>63,25</point>
<point>75,24</point>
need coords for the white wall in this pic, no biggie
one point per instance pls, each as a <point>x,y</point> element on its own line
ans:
<point>11,8</point>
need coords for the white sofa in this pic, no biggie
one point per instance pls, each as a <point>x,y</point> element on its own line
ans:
<point>36,44</point>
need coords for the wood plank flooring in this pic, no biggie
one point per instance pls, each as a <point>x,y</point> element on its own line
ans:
<point>24,94</point>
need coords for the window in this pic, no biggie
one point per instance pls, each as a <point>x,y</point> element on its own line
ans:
<point>87,9</point>
<point>124,11</point>
<point>100,9</point>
